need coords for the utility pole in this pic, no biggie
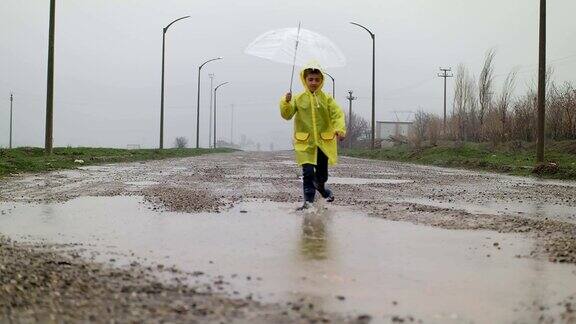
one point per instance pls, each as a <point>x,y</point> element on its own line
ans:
<point>541,85</point>
<point>48,140</point>
<point>211,76</point>
<point>445,75</point>
<point>11,100</point>
<point>350,98</point>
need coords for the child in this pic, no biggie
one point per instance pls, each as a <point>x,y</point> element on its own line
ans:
<point>318,124</point>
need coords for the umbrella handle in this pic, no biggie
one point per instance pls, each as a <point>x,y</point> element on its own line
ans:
<point>292,78</point>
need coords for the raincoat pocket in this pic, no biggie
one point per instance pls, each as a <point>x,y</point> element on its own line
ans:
<point>301,141</point>
<point>328,135</point>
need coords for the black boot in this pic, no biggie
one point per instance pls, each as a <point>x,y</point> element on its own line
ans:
<point>324,192</point>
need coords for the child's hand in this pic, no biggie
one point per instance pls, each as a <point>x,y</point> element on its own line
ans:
<point>288,96</point>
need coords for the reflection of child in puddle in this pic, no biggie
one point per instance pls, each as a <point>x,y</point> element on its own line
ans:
<point>313,243</point>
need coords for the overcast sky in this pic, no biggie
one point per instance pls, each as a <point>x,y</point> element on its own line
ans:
<point>108,61</point>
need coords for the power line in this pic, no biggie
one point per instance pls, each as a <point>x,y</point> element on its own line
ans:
<point>532,67</point>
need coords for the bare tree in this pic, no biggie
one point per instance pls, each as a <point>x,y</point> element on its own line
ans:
<point>504,102</point>
<point>180,142</point>
<point>460,97</point>
<point>554,112</point>
<point>569,109</point>
<point>561,111</point>
<point>485,85</point>
<point>464,104</point>
<point>524,117</point>
<point>434,129</point>
<point>357,131</point>
<point>419,129</point>
<point>472,124</point>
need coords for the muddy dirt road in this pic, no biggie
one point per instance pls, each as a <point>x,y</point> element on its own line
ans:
<point>216,238</point>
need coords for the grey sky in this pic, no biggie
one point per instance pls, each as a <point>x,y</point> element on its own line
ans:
<point>108,55</point>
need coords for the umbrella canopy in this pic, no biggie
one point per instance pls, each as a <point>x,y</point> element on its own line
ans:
<point>296,46</point>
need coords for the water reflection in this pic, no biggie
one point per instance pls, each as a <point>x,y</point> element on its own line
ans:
<point>314,238</point>
<point>47,214</point>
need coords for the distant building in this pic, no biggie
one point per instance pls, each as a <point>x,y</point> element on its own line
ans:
<point>385,129</point>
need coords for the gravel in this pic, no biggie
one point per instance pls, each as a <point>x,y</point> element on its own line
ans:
<point>39,284</point>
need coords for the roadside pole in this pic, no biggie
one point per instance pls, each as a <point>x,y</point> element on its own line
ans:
<point>350,98</point>
<point>48,139</point>
<point>11,101</point>
<point>541,85</point>
<point>445,75</point>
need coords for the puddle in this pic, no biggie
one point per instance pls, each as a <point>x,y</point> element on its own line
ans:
<point>141,183</point>
<point>359,181</point>
<point>98,168</point>
<point>529,208</point>
<point>286,162</point>
<point>260,176</point>
<point>380,267</point>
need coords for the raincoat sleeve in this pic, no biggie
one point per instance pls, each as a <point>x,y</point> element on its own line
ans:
<point>337,116</point>
<point>287,109</point>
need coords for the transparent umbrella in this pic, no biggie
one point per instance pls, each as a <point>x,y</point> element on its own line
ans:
<point>296,46</point>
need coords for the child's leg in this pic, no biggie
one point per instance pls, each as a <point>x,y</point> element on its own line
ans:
<point>308,176</point>
<point>322,174</point>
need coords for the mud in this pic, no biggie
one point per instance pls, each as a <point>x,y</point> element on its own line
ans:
<point>537,216</point>
<point>39,285</point>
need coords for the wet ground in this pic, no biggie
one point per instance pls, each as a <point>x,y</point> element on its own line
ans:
<point>401,243</point>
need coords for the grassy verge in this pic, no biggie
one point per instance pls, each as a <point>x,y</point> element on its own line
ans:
<point>34,160</point>
<point>517,161</point>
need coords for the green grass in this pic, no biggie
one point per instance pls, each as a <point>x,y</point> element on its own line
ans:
<point>28,159</point>
<point>516,161</point>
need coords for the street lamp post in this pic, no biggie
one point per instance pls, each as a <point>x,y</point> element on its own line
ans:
<point>333,85</point>
<point>198,102</point>
<point>211,76</point>
<point>11,101</point>
<point>373,79</point>
<point>164,30</point>
<point>216,89</point>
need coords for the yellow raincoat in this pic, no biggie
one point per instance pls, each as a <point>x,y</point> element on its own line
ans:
<point>317,118</point>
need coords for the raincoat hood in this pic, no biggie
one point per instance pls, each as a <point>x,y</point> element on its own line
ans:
<point>312,65</point>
